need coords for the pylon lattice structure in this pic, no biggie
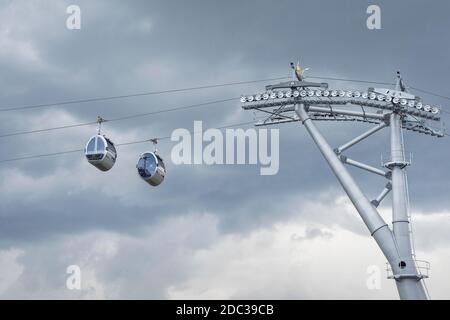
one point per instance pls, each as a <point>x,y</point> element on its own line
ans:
<point>385,108</point>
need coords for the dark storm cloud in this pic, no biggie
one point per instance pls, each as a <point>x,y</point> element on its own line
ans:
<point>126,48</point>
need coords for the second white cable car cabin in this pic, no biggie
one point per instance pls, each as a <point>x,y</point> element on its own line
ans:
<point>151,167</point>
<point>100,151</point>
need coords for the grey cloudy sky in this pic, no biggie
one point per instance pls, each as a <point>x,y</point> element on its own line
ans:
<point>207,231</point>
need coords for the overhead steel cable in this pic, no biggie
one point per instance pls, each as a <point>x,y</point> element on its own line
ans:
<point>47,129</point>
<point>384,83</point>
<point>192,106</point>
<point>380,83</point>
<point>350,80</point>
<point>41,155</point>
<point>184,107</point>
<point>138,115</point>
<point>95,99</point>
<point>431,93</point>
<point>196,105</point>
<point>117,145</point>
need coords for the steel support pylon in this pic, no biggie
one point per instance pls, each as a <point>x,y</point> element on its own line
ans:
<point>409,282</point>
<point>308,102</point>
<point>396,244</point>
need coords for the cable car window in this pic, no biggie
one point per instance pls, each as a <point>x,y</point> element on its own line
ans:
<point>111,147</point>
<point>100,145</point>
<point>147,165</point>
<point>161,162</point>
<point>97,156</point>
<point>91,145</point>
<point>141,167</point>
<point>150,164</point>
<point>150,167</point>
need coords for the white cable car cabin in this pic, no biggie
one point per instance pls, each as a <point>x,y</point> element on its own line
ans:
<point>151,168</point>
<point>100,152</point>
